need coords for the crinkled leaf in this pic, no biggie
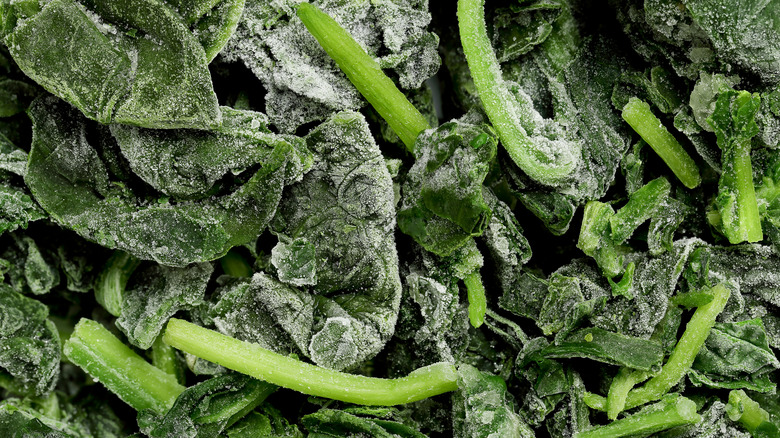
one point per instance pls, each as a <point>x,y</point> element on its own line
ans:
<point>29,343</point>
<point>127,62</point>
<point>745,32</point>
<point>206,409</point>
<point>268,423</point>
<point>188,163</point>
<point>482,407</point>
<point>736,355</point>
<point>17,209</point>
<point>520,28</point>
<point>443,204</point>
<point>296,262</point>
<point>344,206</point>
<point>71,180</point>
<point>156,294</point>
<point>332,423</point>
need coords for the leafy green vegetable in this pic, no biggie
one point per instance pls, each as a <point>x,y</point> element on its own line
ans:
<point>206,203</point>
<point>671,411</point>
<point>30,344</point>
<point>304,84</point>
<point>443,205</point>
<point>736,355</point>
<point>335,423</point>
<point>482,407</point>
<point>120,369</point>
<point>158,293</point>
<point>546,161</point>
<point>639,116</point>
<point>107,211</point>
<point>365,74</point>
<point>208,408</point>
<point>117,67</point>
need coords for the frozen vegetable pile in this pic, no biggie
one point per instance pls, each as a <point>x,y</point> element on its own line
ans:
<point>389,218</point>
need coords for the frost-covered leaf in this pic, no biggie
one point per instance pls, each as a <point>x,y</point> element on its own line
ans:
<point>483,407</point>
<point>520,28</point>
<point>296,262</point>
<point>188,163</point>
<point>29,343</point>
<point>33,269</point>
<point>442,204</point>
<point>303,83</point>
<point>156,294</point>
<point>736,355</point>
<point>333,423</point>
<point>76,181</point>
<point>12,159</point>
<point>17,209</point>
<point>117,61</point>
<point>603,346</point>
<point>208,408</point>
<point>745,32</point>
<point>344,207</point>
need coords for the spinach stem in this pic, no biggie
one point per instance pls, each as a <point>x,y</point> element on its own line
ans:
<point>548,163</point>
<point>686,350</point>
<point>253,360</point>
<point>638,114</point>
<point>696,332</point>
<point>746,411</point>
<point>111,283</point>
<point>622,384</point>
<point>137,382</point>
<point>365,74</point>
<point>670,412</point>
<point>477,299</point>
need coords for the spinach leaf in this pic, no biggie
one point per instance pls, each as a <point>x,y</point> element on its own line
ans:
<point>736,355</point>
<point>208,408</point>
<point>443,204</point>
<point>344,207</point>
<point>157,294</point>
<point>30,344</point>
<point>125,66</point>
<point>608,347</point>
<point>81,193</point>
<point>332,423</point>
<point>482,407</point>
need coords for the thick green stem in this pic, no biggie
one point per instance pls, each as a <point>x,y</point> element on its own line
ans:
<point>746,411</point>
<point>365,74</point>
<point>164,358</point>
<point>110,285</point>
<point>672,412</point>
<point>642,204</point>
<point>624,381</point>
<point>639,115</point>
<point>118,368</point>
<point>477,299</point>
<point>255,361</point>
<point>549,164</point>
<point>743,224</point>
<point>686,350</point>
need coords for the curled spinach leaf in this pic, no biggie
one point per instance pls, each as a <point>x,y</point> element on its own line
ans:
<point>72,174</point>
<point>134,62</point>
